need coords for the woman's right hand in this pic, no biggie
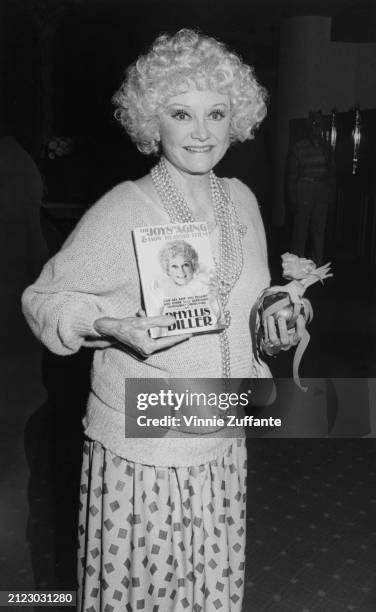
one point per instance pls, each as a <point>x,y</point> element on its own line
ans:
<point>133,332</point>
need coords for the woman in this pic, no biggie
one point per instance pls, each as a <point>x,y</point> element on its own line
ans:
<point>187,285</point>
<point>179,261</point>
<point>162,525</point>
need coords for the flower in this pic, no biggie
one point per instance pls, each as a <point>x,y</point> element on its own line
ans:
<point>295,267</point>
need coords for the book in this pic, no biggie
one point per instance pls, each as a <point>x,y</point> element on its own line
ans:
<point>178,277</point>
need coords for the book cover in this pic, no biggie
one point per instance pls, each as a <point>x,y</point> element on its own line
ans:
<point>178,277</point>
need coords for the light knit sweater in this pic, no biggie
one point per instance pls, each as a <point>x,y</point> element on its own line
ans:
<point>95,275</point>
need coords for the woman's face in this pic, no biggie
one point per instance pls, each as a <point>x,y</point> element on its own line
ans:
<point>180,270</point>
<point>194,130</point>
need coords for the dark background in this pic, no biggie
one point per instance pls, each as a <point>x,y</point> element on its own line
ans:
<point>60,63</point>
<point>62,60</point>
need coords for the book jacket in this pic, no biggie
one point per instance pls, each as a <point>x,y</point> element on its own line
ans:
<point>178,277</point>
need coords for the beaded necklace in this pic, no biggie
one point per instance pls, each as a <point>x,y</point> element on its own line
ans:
<point>229,263</point>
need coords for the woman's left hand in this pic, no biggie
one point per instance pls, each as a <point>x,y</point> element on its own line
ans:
<point>278,338</point>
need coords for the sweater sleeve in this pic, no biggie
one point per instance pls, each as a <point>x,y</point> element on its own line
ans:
<point>83,281</point>
<point>250,205</point>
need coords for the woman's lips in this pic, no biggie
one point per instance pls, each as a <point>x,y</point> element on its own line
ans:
<point>202,149</point>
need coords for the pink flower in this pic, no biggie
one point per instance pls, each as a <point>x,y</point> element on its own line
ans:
<point>295,267</point>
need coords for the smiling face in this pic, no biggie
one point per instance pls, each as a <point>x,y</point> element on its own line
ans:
<point>194,130</point>
<point>180,270</point>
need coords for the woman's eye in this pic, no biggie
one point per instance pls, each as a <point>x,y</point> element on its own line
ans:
<point>180,115</point>
<point>217,115</point>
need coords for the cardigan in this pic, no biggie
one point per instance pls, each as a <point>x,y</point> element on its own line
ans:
<point>95,275</point>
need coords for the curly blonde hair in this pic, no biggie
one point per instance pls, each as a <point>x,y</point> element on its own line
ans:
<point>169,68</point>
<point>175,248</point>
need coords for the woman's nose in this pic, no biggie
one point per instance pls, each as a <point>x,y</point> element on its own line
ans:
<point>200,130</point>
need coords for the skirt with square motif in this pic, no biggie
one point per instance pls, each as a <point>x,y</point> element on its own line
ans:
<point>161,539</point>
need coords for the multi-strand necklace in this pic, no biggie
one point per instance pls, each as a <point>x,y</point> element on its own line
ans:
<point>229,262</point>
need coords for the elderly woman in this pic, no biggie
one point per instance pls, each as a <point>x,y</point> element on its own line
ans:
<point>162,524</point>
<point>184,278</point>
<point>179,260</point>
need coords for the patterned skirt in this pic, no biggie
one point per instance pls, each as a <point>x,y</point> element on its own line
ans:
<point>161,539</point>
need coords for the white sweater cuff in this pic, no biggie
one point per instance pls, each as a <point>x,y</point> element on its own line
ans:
<point>77,325</point>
